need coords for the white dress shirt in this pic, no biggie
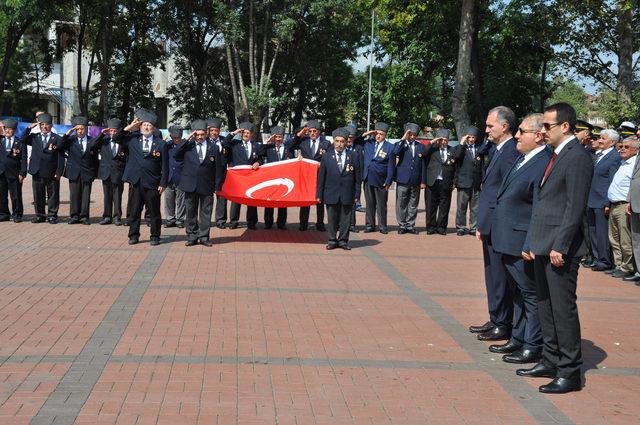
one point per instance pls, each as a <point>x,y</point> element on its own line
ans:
<point>619,188</point>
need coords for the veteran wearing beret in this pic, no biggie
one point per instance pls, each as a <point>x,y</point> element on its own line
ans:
<point>174,207</point>
<point>213,127</point>
<point>112,158</point>
<point>439,168</point>
<point>274,150</point>
<point>469,157</point>
<point>13,170</point>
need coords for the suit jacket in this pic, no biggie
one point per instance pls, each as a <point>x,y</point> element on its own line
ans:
<point>603,173</point>
<point>198,177</point>
<point>46,161</point>
<point>223,158</point>
<point>270,153</point>
<point>408,166</point>
<point>151,169</point>
<point>497,169</point>
<point>468,167</point>
<point>14,162</point>
<point>634,190</point>
<point>378,171</point>
<point>304,144</point>
<point>238,153</point>
<point>80,164</point>
<point>514,204</point>
<point>559,204</point>
<point>335,186</point>
<point>433,165</point>
<point>175,163</point>
<point>111,167</point>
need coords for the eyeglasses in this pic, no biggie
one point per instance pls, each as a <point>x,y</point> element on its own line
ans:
<point>549,125</point>
<point>625,147</point>
<point>523,131</point>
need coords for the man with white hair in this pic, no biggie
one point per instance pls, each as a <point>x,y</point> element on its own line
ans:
<point>607,162</point>
<point>13,170</point>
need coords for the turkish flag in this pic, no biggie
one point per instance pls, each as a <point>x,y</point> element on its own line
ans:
<point>282,184</point>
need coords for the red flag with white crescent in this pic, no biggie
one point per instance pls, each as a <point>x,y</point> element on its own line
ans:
<point>282,184</point>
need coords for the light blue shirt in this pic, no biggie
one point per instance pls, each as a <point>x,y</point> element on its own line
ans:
<point>619,188</point>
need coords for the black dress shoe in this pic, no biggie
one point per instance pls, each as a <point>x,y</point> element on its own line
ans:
<point>431,232</point>
<point>369,229</point>
<point>251,226</point>
<point>384,230</point>
<point>125,222</point>
<point>353,229</point>
<point>611,271</point>
<point>17,219</point>
<point>220,225</point>
<point>206,242</point>
<point>154,241</point>
<point>190,243</point>
<point>496,334</point>
<point>482,328</point>
<point>268,226</point>
<point>282,226</point>
<point>7,218</point>
<point>302,228</point>
<point>510,347</point>
<point>117,222</point>
<point>621,274</point>
<point>321,228</point>
<point>331,246</point>
<point>180,225</point>
<point>540,370</point>
<point>632,278</point>
<point>85,221</point>
<point>442,232</point>
<point>73,220</point>
<point>601,268</point>
<point>412,230</point>
<point>523,356</point>
<point>561,386</point>
<point>52,220</point>
<point>133,241</point>
<point>233,226</point>
<point>169,224</point>
<point>344,246</point>
<point>461,232</point>
<point>402,231</point>
<point>38,220</point>
<point>105,221</point>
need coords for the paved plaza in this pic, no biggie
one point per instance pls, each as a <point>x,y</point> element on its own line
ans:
<point>267,327</point>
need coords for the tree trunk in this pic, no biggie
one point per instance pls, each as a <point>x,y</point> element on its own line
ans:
<point>79,83</point>
<point>106,51</point>
<point>14,34</point>
<point>459,107</point>
<point>476,69</point>
<point>625,49</point>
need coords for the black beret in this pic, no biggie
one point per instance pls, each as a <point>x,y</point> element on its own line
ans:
<point>382,126</point>
<point>79,121</point>
<point>214,123</point>
<point>583,125</point>
<point>352,129</point>
<point>474,131</point>
<point>314,124</point>
<point>247,126</point>
<point>10,123</point>
<point>175,131</point>
<point>198,125</point>
<point>277,130</point>
<point>114,123</point>
<point>340,132</point>
<point>146,116</point>
<point>442,133</point>
<point>45,118</point>
<point>412,127</point>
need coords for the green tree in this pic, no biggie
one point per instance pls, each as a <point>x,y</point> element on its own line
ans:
<point>571,93</point>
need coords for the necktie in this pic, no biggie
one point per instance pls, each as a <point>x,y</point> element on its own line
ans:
<point>519,162</point>
<point>200,153</point>
<point>443,154</point>
<point>378,145</point>
<point>548,169</point>
<point>82,145</point>
<point>340,164</point>
<point>279,153</point>
<point>413,149</point>
<point>472,149</point>
<point>313,147</point>
<point>114,149</point>
<point>9,144</point>
<point>246,148</point>
<point>146,145</point>
<point>598,156</point>
<point>45,139</point>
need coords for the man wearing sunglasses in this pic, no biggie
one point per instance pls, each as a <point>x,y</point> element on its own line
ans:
<point>555,242</point>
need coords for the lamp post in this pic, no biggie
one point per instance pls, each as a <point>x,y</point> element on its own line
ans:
<point>373,18</point>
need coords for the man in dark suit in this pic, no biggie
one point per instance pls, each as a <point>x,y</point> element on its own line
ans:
<point>174,204</point>
<point>584,134</point>
<point>213,127</point>
<point>113,159</point>
<point>379,167</point>
<point>500,125</point>
<point>46,167</point>
<point>198,182</point>
<point>244,151</point>
<point>409,178</point>
<point>312,145</point>
<point>607,162</point>
<point>468,180</point>
<point>556,243</point>
<point>508,235</point>
<point>275,150</point>
<point>439,167</point>
<point>338,188</point>
<point>146,171</point>
<point>13,170</point>
<point>357,150</point>
<point>81,170</point>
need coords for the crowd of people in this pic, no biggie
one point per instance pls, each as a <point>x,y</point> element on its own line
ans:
<point>543,197</point>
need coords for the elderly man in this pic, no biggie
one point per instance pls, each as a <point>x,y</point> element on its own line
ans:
<point>618,194</point>
<point>13,170</point>
<point>213,127</point>
<point>174,205</point>
<point>338,188</point>
<point>469,157</point>
<point>607,161</point>
<point>409,153</point>
<point>112,163</point>
<point>357,149</point>
<point>439,168</point>
<point>633,211</point>
<point>274,150</point>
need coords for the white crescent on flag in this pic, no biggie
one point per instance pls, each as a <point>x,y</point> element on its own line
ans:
<point>274,182</point>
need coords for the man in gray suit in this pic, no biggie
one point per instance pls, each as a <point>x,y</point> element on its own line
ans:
<point>633,210</point>
<point>556,243</point>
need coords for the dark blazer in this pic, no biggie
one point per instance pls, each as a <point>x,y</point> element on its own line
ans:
<point>559,204</point>
<point>223,158</point>
<point>468,167</point>
<point>46,161</point>
<point>111,167</point>
<point>433,165</point>
<point>378,171</point>
<point>14,162</point>
<point>198,177</point>
<point>334,186</point>
<point>497,169</point>
<point>238,154</point>
<point>408,167</point>
<point>514,204</point>
<point>151,170</point>
<point>603,173</point>
<point>270,154</point>
<point>80,164</point>
<point>304,144</point>
<point>175,162</point>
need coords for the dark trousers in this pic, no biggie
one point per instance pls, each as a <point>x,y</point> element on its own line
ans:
<point>338,222</point>
<point>437,200</point>
<point>10,189</point>
<point>46,191</point>
<point>282,217</point>
<point>112,194</point>
<point>376,199</point>
<point>79,198</point>
<point>234,214</point>
<point>198,221</point>
<point>599,233</point>
<point>304,215</point>
<point>586,235</point>
<point>221,210</point>
<point>526,323</point>
<point>556,290</point>
<point>130,209</point>
<point>407,199</point>
<point>499,290</point>
<point>354,207</point>
<point>149,198</point>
